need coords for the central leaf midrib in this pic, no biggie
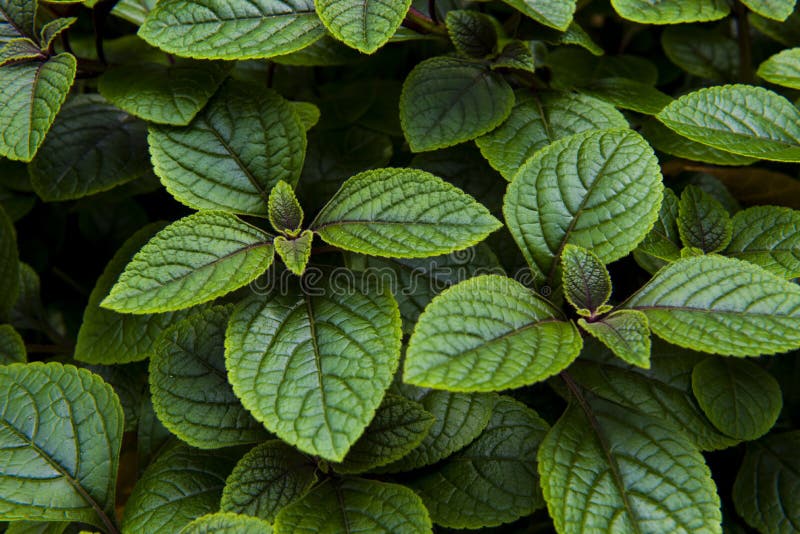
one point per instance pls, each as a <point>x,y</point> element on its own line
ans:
<point>318,365</point>
<point>250,177</point>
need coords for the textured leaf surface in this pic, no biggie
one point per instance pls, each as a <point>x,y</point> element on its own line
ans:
<point>663,243</point>
<point>671,11</point>
<point>766,489</point>
<point>488,333</point>
<point>704,53</point>
<point>191,261</point>
<point>554,13</point>
<point>314,369</point>
<point>738,396</point>
<point>494,479</point>
<point>446,101</point>
<point>402,213</point>
<point>472,33</point>
<point>216,29</point>
<point>32,95</point>
<point>665,140</point>
<point>746,120</point>
<point>722,306</point>
<point>702,221</point>
<point>626,333</point>
<point>607,469</point>
<point>355,505</point>
<point>53,29</point>
<point>227,523</point>
<point>164,94</point>
<point>12,347</point>
<point>266,479</point>
<point>189,385</point>
<point>16,19</point>
<point>9,265</point>
<point>600,190</point>
<point>399,426</point>
<point>773,9</point>
<point>538,120</point>
<point>134,11</point>
<point>181,485</point>
<point>768,236</point>
<point>233,153</point>
<point>628,94</point>
<point>782,69</point>
<point>285,213</point>
<point>295,253</point>
<point>587,285</point>
<point>92,147</point>
<point>60,434</point>
<point>363,24</point>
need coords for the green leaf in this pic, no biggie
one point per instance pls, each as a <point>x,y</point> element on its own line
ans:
<point>285,213</point>
<point>399,426</point>
<point>515,55</point>
<point>36,527</point>
<point>17,18</point>
<point>362,24</point>
<point>772,9</point>
<point>671,11</point>
<point>765,489</point>
<point>669,142</point>
<point>181,485</point>
<point>704,53</point>
<point>402,213</point>
<point>747,120</point>
<point>494,479</point>
<point>12,346</point>
<point>21,49</point>
<point>447,101</point>
<point>479,335</point>
<point>702,221</point>
<point>355,505</point>
<point>564,193</point>
<point>215,29</point>
<point>307,112</point>
<point>738,396</point>
<point>662,244</point>
<point>246,140</point>
<point>53,29</point>
<point>151,436</point>
<point>472,33</point>
<point>266,479</point>
<point>189,384</point>
<point>628,94</point>
<point>227,523</point>
<point>460,418</point>
<point>324,52</point>
<point>587,285</point>
<point>191,261</point>
<point>134,11</point>
<point>554,13</point>
<point>576,67</point>
<point>9,265</point>
<point>782,69</point>
<point>537,120</point>
<point>313,366</point>
<point>296,252</point>
<point>722,306</point>
<point>786,32</point>
<point>60,434</point>
<point>634,473</point>
<point>130,384</point>
<point>626,333</point>
<point>164,94</point>
<point>33,93</point>
<point>768,236</point>
<point>92,147</point>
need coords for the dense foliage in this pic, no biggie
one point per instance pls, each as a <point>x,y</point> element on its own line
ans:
<point>399,266</point>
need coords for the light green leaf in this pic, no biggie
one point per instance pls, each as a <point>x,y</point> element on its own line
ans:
<point>12,346</point>
<point>355,505</point>
<point>447,101</point>
<point>314,369</point>
<point>245,141</point>
<point>765,491</point>
<point>722,306</point>
<point>460,418</point>
<point>296,252</point>
<point>189,384</point>
<point>134,11</point>
<point>266,479</point>
<point>17,18</point>
<point>663,243</point>
<point>782,69</point>
<point>216,29</point>
<point>494,479</point>
<point>227,523</point>
<point>164,94</point>
<point>398,427</point>
<point>60,434</point>
<point>402,213</point>
<point>772,9</point>
<point>308,113</point>
<point>455,347</point>
<point>564,193</point>
<point>33,93</point>
<point>537,120</point>
<point>191,261</point>
<point>472,33</point>
<point>628,94</point>
<point>669,142</point>
<point>768,236</point>
<point>93,147</point>
<point>554,13</point>
<point>704,53</point>
<point>738,396</point>
<point>285,213</point>
<point>747,120</point>
<point>365,25</point>
<point>36,527</point>
<point>702,221</point>
<point>671,11</point>
<point>181,485</point>
<point>634,473</point>
<point>53,29</point>
<point>587,285</point>
<point>9,265</point>
<point>626,333</point>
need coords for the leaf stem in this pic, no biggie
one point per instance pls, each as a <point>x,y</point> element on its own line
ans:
<point>420,23</point>
<point>745,46</point>
<point>432,11</point>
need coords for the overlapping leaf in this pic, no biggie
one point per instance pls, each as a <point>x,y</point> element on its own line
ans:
<point>554,13</point>
<point>782,68</point>
<point>362,24</point>
<point>703,222</point>
<point>768,236</point>
<point>626,333</point>
<point>671,11</point>
<point>227,523</point>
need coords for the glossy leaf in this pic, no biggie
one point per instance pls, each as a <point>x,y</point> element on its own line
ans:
<point>554,13</point>
<point>296,252</point>
<point>628,94</point>
<point>704,53</point>
<point>626,333</point>
<point>665,140</point>
<point>773,9</point>
<point>768,236</point>
<point>17,18</point>
<point>702,221</point>
<point>227,523</point>
<point>671,11</point>
<point>782,68</point>
<point>587,285</point>
<point>363,25</point>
